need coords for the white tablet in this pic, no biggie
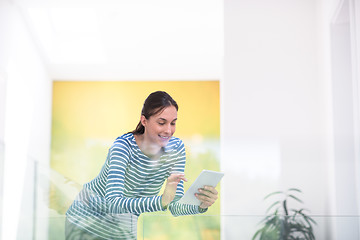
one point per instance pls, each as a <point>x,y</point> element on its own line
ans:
<point>206,178</point>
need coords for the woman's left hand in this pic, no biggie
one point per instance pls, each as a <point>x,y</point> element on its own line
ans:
<point>207,196</point>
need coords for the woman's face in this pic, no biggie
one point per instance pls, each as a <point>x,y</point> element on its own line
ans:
<point>160,127</point>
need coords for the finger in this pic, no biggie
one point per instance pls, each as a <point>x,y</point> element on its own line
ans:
<point>205,199</point>
<point>208,196</point>
<point>211,189</point>
<point>183,178</point>
<point>176,176</point>
<point>179,178</point>
<point>208,193</point>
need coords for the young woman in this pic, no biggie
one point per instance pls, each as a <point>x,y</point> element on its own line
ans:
<point>137,165</point>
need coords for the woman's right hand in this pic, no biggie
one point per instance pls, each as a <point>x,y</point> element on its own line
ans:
<point>170,188</point>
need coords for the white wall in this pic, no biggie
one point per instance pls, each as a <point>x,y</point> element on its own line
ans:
<point>339,31</point>
<point>274,110</point>
<point>27,120</point>
<point>4,28</point>
<point>2,121</point>
<point>2,128</point>
<point>290,111</point>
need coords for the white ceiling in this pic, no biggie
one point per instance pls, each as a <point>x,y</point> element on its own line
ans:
<point>128,40</point>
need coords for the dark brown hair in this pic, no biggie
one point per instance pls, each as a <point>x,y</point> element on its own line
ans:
<point>154,104</point>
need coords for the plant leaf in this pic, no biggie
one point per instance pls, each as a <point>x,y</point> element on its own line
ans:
<point>293,197</point>
<point>294,189</point>
<point>307,218</point>
<point>285,223</point>
<point>300,210</point>
<point>285,208</point>
<point>271,206</point>
<point>273,193</point>
<point>256,234</point>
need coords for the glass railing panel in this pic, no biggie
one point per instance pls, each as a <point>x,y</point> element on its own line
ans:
<point>53,194</point>
<point>2,158</point>
<point>156,226</point>
<point>167,227</point>
<point>246,227</point>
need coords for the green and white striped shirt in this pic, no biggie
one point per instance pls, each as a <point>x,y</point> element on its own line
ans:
<point>128,185</point>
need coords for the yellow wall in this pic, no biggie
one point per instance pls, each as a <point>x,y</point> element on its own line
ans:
<point>89,116</point>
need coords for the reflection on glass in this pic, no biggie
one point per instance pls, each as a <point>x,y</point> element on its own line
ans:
<point>2,157</point>
<point>55,194</point>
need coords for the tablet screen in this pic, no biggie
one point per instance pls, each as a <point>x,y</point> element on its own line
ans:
<point>206,178</point>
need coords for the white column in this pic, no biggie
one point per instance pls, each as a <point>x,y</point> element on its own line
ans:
<point>27,121</point>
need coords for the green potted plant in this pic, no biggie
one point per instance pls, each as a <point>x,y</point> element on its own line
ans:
<point>284,223</point>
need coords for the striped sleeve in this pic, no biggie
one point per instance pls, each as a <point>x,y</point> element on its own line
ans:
<point>178,209</point>
<point>117,202</point>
